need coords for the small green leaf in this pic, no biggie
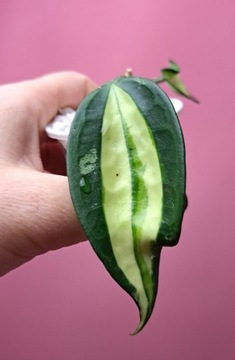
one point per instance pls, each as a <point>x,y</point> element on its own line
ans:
<point>170,75</point>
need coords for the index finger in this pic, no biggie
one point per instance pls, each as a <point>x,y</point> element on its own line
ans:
<point>52,92</point>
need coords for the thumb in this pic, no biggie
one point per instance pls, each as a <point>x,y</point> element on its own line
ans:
<point>38,215</point>
<point>56,224</point>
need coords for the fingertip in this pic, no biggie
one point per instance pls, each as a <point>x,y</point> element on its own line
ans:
<point>57,90</point>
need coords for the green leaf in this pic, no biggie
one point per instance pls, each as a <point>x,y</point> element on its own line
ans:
<point>170,75</point>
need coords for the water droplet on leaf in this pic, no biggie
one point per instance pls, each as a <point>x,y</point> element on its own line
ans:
<point>85,185</point>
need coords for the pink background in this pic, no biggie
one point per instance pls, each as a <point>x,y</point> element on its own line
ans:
<point>64,305</point>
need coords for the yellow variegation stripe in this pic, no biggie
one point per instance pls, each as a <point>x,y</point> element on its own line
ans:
<point>133,213</point>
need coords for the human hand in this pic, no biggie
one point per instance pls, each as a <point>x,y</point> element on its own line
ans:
<point>36,213</point>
